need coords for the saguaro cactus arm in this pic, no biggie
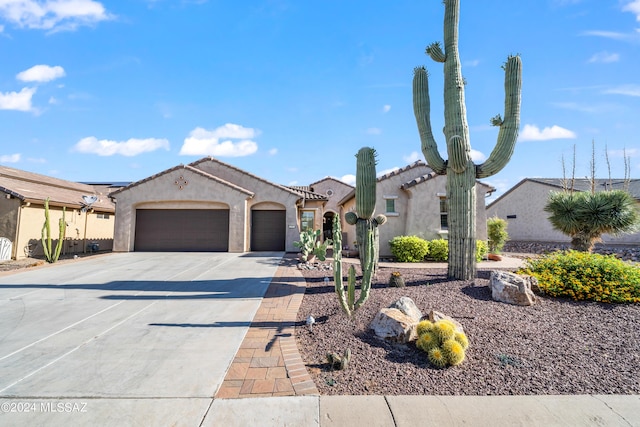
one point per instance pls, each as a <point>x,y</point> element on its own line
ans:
<point>422,111</point>
<point>508,134</point>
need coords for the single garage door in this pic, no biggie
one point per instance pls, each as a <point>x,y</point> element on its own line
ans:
<point>182,230</point>
<point>268,230</point>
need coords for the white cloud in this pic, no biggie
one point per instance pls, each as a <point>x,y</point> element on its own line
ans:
<point>129,148</point>
<point>533,133</point>
<point>349,179</point>
<point>20,101</point>
<point>273,151</point>
<point>607,34</point>
<point>472,63</point>
<point>633,7</point>
<point>629,90</point>
<point>374,131</point>
<point>41,73</point>
<point>413,157</point>
<point>605,57</point>
<point>477,156</point>
<point>10,158</point>
<point>53,15</point>
<point>386,108</point>
<point>203,142</point>
<point>53,100</point>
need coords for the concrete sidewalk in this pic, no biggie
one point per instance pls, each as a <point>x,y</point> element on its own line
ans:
<point>441,411</point>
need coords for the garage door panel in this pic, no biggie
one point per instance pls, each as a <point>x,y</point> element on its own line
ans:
<point>182,230</point>
<point>268,230</point>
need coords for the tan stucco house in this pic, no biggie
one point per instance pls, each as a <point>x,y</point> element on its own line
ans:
<point>523,208</point>
<point>209,205</point>
<point>414,199</point>
<point>22,213</point>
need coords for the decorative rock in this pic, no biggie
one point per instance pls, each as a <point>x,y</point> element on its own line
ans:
<point>511,288</point>
<point>408,307</point>
<point>394,325</point>
<point>434,316</point>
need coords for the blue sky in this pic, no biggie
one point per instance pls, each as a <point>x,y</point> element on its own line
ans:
<point>290,90</point>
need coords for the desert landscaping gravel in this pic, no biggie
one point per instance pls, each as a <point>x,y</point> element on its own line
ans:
<point>556,346</point>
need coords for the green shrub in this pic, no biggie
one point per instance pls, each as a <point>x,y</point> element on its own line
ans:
<point>586,276</point>
<point>482,249</point>
<point>497,233</point>
<point>439,250</point>
<point>409,248</point>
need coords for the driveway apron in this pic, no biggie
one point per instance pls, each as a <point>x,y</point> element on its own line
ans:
<point>127,338</point>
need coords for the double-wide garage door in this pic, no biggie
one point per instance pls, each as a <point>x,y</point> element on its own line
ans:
<point>182,230</point>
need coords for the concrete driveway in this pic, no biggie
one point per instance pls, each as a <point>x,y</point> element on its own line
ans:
<point>125,339</point>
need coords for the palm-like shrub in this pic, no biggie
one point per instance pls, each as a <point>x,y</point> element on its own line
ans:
<point>586,216</point>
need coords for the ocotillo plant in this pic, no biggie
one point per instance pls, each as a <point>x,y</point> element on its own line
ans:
<point>347,297</point>
<point>46,235</point>
<point>460,169</point>
<point>365,206</point>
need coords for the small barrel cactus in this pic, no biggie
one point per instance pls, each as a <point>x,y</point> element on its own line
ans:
<point>444,344</point>
<point>396,280</point>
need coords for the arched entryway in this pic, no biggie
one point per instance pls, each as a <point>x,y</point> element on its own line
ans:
<point>327,225</point>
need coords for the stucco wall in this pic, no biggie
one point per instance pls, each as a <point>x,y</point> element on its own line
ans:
<point>82,229</point>
<point>526,202</point>
<point>163,193</point>
<point>204,193</point>
<point>338,189</point>
<point>264,192</point>
<point>9,209</point>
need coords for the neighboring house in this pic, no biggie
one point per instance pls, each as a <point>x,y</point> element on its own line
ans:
<point>414,199</point>
<point>523,208</point>
<point>22,213</point>
<point>209,205</point>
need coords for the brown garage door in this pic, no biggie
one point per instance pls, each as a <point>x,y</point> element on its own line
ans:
<point>268,230</point>
<point>182,230</point>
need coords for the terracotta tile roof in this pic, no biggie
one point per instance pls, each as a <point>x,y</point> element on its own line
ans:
<point>33,187</point>
<point>306,193</point>
<point>418,180</point>
<point>398,171</point>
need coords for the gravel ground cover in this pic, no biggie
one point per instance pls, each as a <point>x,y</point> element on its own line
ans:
<point>556,346</point>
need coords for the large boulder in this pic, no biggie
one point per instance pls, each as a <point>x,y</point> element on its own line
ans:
<point>393,325</point>
<point>397,322</point>
<point>512,288</point>
<point>408,307</point>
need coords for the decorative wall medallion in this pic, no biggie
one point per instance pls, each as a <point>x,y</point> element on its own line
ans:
<point>181,182</point>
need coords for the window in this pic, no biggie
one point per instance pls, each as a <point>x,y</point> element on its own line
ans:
<point>444,213</point>
<point>307,220</point>
<point>102,216</point>
<point>391,205</point>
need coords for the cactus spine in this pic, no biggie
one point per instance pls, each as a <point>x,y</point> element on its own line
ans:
<point>460,170</point>
<point>46,234</point>
<point>365,206</point>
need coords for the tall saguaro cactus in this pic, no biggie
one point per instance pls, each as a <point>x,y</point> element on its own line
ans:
<point>52,255</point>
<point>460,169</point>
<point>365,206</point>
